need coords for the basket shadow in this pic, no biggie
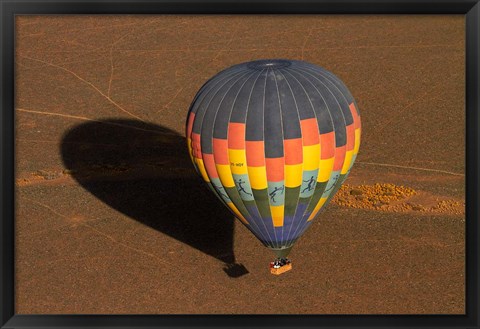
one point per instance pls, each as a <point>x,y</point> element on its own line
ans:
<point>144,171</point>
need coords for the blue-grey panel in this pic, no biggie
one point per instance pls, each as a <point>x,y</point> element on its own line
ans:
<point>254,124</point>
<point>273,118</point>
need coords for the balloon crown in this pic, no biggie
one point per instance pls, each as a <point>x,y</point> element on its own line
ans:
<point>269,64</point>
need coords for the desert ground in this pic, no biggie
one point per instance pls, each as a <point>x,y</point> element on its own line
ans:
<point>111,217</point>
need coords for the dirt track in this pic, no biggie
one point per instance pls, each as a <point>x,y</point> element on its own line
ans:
<point>111,217</point>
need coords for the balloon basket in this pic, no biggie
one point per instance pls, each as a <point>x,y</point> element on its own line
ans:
<point>280,265</point>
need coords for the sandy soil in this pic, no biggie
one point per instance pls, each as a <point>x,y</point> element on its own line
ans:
<point>111,217</point>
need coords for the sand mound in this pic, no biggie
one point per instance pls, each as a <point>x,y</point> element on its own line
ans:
<point>371,196</point>
<point>391,197</point>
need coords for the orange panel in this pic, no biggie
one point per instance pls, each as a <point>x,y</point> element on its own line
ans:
<point>275,169</point>
<point>209,163</point>
<point>327,142</point>
<point>196,146</point>
<point>339,158</point>
<point>220,151</point>
<point>350,137</point>
<point>236,136</point>
<point>310,131</point>
<point>356,117</point>
<point>255,153</point>
<point>293,151</point>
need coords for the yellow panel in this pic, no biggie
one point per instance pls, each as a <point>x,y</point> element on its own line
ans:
<point>257,177</point>
<point>293,175</point>
<point>189,144</point>
<point>311,157</point>
<point>317,208</point>
<point>237,213</point>
<point>238,161</point>
<point>277,215</point>
<point>201,168</point>
<point>348,161</point>
<point>225,175</point>
<point>325,169</point>
<point>357,141</point>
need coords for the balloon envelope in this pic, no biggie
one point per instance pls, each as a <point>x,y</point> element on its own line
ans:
<point>274,140</point>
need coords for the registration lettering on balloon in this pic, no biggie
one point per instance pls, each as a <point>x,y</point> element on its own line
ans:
<point>274,139</point>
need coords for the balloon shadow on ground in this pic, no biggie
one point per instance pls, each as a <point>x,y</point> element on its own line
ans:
<point>144,171</point>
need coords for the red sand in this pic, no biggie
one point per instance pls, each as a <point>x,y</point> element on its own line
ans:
<point>101,105</point>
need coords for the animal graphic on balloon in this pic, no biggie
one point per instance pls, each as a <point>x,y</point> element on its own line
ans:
<point>274,139</point>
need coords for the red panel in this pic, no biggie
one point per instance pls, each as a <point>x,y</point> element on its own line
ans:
<point>209,163</point>
<point>350,137</point>
<point>190,120</point>
<point>275,169</point>
<point>236,136</point>
<point>293,151</point>
<point>339,158</point>
<point>255,153</point>
<point>327,145</point>
<point>309,131</point>
<point>220,151</point>
<point>196,146</point>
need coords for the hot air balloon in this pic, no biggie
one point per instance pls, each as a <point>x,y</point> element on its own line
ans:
<point>274,139</point>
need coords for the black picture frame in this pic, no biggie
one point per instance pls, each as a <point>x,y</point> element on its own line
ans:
<point>9,9</point>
